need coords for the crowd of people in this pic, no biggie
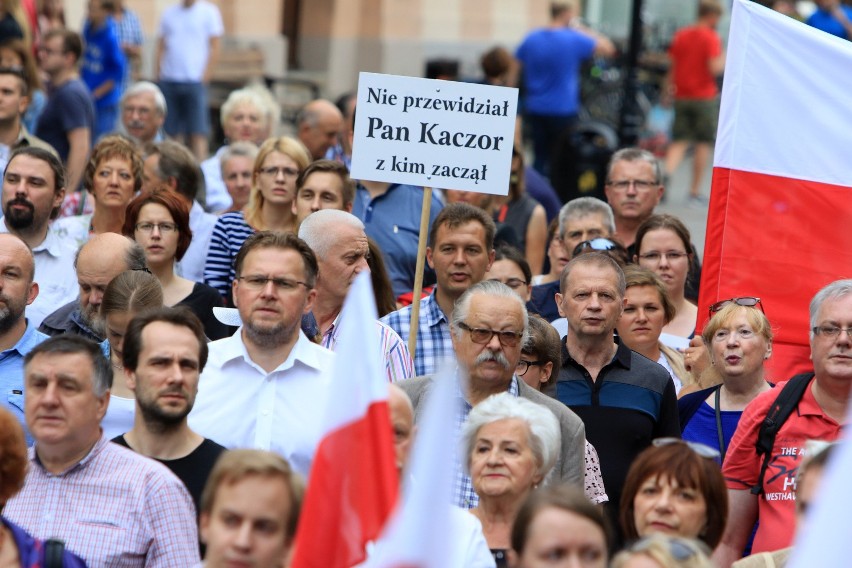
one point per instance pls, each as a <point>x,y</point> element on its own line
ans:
<point>169,322</point>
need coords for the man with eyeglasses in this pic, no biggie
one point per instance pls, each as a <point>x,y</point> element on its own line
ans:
<point>581,219</point>
<point>489,328</point>
<point>633,189</point>
<point>262,386</point>
<point>624,399</point>
<point>819,415</point>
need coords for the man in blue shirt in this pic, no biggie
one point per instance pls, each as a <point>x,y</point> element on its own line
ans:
<point>103,64</point>
<point>17,336</point>
<point>391,217</point>
<point>832,17</point>
<point>551,58</point>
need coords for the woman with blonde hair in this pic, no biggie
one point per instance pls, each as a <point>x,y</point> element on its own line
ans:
<point>661,551</point>
<point>279,162</point>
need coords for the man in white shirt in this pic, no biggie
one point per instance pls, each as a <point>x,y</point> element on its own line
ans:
<point>33,190</point>
<point>265,386</point>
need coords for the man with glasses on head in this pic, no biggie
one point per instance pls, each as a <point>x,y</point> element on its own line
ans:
<point>489,328</point>
<point>262,386</point>
<point>624,399</point>
<point>819,414</point>
<point>581,219</point>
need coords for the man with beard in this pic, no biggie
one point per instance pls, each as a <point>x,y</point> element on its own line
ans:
<point>264,387</point>
<point>489,327</point>
<point>17,336</point>
<point>33,190</point>
<point>164,353</point>
<point>101,259</point>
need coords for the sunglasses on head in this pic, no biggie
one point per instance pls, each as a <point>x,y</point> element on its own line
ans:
<point>681,549</point>
<point>599,243</point>
<point>745,301</point>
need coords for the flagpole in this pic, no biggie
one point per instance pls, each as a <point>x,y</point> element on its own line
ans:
<point>418,271</point>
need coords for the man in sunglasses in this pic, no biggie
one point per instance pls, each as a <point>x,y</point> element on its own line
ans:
<point>489,327</point>
<point>819,414</point>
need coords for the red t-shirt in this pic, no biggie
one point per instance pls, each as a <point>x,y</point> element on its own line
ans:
<point>691,51</point>
<point>777,504</point>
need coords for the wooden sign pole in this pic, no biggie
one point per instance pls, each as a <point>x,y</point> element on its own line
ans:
<point>418,271</point>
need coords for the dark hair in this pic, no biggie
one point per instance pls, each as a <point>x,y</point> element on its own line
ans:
<point>180,316</point>
<point>161,195</point>
<point>235,465</point>
<point>18,73</point>
<point>347,190</point>
<point>510,253</point>
<point>71,42</point>
<point>51,160</point>
<point>455,215</point>
<point>177,162</point>
<point>13,456</point>
<point>285,241</point>
<point>114,146</point>
<point>382,287</point>
<point>682,465</point>
<point>70,344</point>
<point>495,62</point>
<point>564,497</point>
<point>544,343</point>
<point>664,221</point>
<point>29,68</point>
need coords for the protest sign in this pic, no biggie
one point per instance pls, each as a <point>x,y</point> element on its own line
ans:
<point>434,133</point>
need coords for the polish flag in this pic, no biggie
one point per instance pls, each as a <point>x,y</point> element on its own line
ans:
<point>426,531</point>
<point>353,482</point>
<point>779,224</point>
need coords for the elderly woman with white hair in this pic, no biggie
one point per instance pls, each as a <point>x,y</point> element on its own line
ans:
<point>247,115</point>
<point>511,445</point>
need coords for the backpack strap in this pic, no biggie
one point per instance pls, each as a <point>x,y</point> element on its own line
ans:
<point>777,414</point>
<point>54,550</point>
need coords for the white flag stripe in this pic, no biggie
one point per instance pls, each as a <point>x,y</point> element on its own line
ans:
<point>358,376</point>
<point>786,89</point>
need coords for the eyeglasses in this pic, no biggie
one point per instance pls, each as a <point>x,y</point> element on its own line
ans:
<point>594,244</point>
<point>257,283</point>
<point>513,283</point>
<point>681,549</point>
<point>162,227</point>
<point>702,450</point>
<point>273,171</point>
<point>524,366</point>
<point>831,331</point>
<point>745,301</point>
<point>639,184</point>
<point>672,255</point>
<point>482,336</point>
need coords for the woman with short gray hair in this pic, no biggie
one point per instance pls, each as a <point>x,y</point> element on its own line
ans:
<point>510,446</point>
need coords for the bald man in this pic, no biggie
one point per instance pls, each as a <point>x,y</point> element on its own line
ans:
<point>319,124</point>
<point>98,261</point>
<point>17,335</point>
<point>467,529</point>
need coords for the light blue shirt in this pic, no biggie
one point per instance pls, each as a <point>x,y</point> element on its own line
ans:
<point>12,374</point>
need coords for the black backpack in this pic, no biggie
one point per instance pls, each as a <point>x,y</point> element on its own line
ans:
<point>777,414</point>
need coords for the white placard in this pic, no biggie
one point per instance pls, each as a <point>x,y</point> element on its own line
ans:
<point>432,133</point>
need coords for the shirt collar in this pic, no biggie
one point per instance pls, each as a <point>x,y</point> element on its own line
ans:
<point>83,463</point>
<point>513,389</point>
<point>28,340</point>
<point>234,348</point>
<point>51,243</point>
<point>432,312</point>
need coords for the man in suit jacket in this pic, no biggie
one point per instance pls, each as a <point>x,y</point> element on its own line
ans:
<point>489,327</point>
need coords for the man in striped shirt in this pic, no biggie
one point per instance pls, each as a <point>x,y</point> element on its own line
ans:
<point>340,244</point>
<point>111,506</point>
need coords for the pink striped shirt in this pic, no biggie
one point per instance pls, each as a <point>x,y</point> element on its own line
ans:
<point>395,355</point>
<point>115,508</point>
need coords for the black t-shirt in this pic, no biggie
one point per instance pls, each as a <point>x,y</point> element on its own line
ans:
<point>193,469</point>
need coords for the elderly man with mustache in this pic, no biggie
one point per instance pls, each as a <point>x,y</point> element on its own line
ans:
<point>489,326</point>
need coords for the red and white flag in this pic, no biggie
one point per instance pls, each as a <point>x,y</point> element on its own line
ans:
<point>780,220</point>
<point>353,482</point>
